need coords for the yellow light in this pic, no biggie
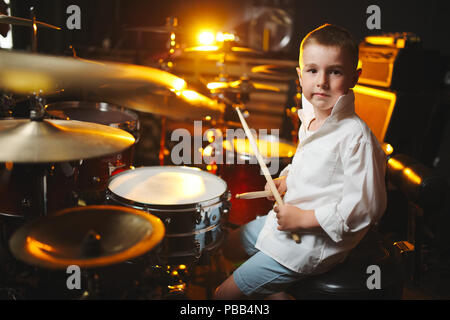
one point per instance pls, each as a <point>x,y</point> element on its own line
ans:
<point>224,36</point>
<point>293,109</point>
<point>190,94</point>
<point>412,176</point>
<point>204,48</point>
<point>206,38</point>
<point>208,151</point>
<point>387,148</point>
<point>384,41</point>
<point>401,43</point>
<point>182,267</point>
<point>208,118</point>
<point>179,84</point>
<point>216,85</point>
<point>395,164</point>
<point>172,36</point>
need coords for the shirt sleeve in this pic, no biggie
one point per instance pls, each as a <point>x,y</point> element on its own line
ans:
<point>285,171</point>
<point>363,198</point>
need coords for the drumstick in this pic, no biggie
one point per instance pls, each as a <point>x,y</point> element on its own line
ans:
<point>254,195</point>
<point>263,166</point>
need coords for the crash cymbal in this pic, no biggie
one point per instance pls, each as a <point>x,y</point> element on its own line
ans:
<point>47,141</point>
<point>89,237</point>
<point>24,22</point>
<point>26,73</point>
<point>286,72</point>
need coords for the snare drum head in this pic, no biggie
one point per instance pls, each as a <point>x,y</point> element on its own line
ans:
<point>167,185</point>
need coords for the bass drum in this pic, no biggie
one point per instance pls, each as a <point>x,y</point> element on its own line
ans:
<point>192,203</point>
<point>242,173</point>
<point>94,173</point>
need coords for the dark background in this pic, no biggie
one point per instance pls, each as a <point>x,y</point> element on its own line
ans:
<point>102,19</point>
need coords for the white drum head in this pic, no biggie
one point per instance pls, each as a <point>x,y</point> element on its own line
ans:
<point>167,185</point>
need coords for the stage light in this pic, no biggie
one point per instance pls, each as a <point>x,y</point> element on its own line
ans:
<point>206,38</point>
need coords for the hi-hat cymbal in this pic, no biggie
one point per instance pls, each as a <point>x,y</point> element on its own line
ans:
<point>89,237</point>
<point>24,22</point>
<point>26,73</point>
<point>47,141</point>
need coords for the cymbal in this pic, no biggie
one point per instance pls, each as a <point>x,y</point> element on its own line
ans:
<point>161,29</point>
<point>243,85</point>
<point>24,22</point>
<point>184,104</point>
<point>26,73</point>
<point>89,237</point>
<point>222,49</point>
<point>47,141</point>
<point>276,71</point>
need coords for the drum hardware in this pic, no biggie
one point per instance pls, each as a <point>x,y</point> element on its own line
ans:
<point>191,212</point>
<point>16,21</point>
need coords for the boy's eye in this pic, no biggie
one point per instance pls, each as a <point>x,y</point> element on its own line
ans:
<point>312,70</point>
<point>335,72</point>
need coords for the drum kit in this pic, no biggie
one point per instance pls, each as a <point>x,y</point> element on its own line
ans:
<point>69,192</point>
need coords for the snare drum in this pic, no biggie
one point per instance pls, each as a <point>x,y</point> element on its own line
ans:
<point>242,173</point>
<point>94,173</point>
<point>192,203</point>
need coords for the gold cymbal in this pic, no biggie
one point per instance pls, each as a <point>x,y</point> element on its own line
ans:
<point>89,237</point>
<point>26,73</point>
<point>184,104</point>
<point>222,49</point>
<point>243,85</point>
<point>46,141</point>
<point>24,22</point>
<point>278,71</point>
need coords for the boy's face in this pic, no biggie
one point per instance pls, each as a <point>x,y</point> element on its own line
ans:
<point>326,73</point>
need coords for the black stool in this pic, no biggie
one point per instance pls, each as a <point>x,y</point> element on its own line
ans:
<point>349,280</point>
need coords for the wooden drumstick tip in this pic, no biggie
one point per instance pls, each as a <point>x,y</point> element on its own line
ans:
<point>295,237</point>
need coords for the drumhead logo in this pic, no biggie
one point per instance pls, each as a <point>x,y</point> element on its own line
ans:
<point>231,147</point>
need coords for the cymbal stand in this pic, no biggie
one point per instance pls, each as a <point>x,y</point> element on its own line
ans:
<point>33,30</point>
<point>39,171</point>
<point>166,64</point>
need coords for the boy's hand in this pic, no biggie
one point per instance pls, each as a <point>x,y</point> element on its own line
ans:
<point>288,217</point>
<point>280,183</point>
<point>291,218</point>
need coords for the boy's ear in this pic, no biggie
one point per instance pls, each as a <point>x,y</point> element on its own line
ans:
<point>356,77</point>
<point>299,72</point>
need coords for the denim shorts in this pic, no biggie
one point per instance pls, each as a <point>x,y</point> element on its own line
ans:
<point>260,275</point>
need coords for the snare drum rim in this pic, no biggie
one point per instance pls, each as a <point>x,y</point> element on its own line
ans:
<point>189,207</point>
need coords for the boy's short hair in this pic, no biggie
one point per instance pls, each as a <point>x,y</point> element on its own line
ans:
<point>333,36</point>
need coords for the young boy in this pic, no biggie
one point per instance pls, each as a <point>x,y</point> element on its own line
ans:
<point>334,188</point>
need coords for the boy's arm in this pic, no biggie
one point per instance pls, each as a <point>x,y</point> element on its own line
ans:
<point>363,198</point>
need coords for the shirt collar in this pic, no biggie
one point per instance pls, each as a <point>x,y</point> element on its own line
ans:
<point>344,105</point>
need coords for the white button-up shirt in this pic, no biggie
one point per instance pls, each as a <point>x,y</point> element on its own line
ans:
<point>338,171</point>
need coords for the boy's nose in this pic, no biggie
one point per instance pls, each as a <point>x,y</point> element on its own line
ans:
<point>322,80</point>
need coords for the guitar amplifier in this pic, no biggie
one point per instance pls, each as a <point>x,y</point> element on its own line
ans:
<point>397,62</point>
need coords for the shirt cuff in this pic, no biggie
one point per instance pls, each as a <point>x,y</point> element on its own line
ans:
<point>285,171</point>
<point>330,221</point>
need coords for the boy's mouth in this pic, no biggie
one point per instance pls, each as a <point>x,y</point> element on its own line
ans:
<point>318,94</point>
